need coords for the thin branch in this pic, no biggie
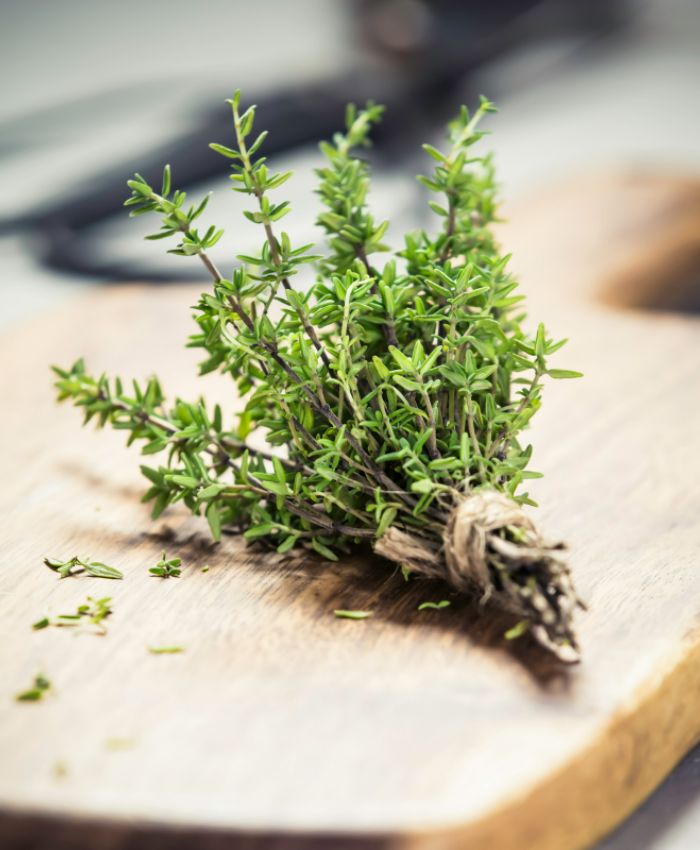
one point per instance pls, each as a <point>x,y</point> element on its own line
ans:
<point>259,191</point>
<point>388,328</point>
<point>502,435</point>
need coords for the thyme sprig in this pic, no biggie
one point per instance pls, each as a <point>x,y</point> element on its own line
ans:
<point>74,566</point>
<point>389,391</point>
<point>166,567</point>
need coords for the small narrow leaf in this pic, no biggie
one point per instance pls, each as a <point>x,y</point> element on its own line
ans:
<point>443,603</point>
<point>563,373</point>
<point>352,615</point>
<point>518,630</point>
<point>165,650</point>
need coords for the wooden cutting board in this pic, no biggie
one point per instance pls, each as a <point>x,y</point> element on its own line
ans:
<point>282,726</point>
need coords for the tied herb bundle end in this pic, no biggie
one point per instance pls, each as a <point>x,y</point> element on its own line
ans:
<point>491,547</point>
<point>392,394</point>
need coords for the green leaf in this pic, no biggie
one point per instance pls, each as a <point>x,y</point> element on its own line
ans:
<point>352,615</point>
<point>57,564</point>
<point>99,570</point>
<point>32,695</point>
<point>324,550</point>
<point>454,374</point>
<point>287,544</point>
<point>224,151</point>
<point>37,692</point>
<point>165,650</point>
<point>443,603</point>
<point>382,370</point>
<point>401,360</point>
<point>559,374</point>
<point>540,342</point>
<point>417,355</point>
<point>436,208</point>
<point>165,190</point>
<point>279,470</point>
<point>518,630</point>
<point>276,487</point>
<point>295,300</point>
<point>445,463</point>
<point>211,491</point>
<point>424,485</point>
<point>184,481</point>
<point>434,152</point>
<point>387,518</point>
<point>263,530</point>
<point>406,383</point>
<point>213,516</point>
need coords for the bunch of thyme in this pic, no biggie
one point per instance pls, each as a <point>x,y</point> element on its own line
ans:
<point>391,392</point>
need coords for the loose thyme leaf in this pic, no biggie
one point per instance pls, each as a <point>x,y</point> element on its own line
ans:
<point>37,691</point>
<point>443,603</point>
<point>518,630</point>
<point>32,695</point>
<point>41,624</point>
<point>99,570</point>
<point>54,563</point>
<point>352,615</point>
<point>65,568</point>
<point>165,650</point>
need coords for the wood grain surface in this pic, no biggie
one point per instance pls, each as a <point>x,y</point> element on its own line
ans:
<point>281,726</point>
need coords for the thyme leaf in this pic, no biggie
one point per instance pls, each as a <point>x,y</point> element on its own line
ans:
<point>352,615</point>
<point>165,650</point>
<point>444,603</point>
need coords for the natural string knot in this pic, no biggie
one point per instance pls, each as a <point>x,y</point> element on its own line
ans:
<point>490,545</point>
<point>465,537</point>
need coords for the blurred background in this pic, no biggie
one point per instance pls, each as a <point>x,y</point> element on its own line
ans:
<point>94,91</point>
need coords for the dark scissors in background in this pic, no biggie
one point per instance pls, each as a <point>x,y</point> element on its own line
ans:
<point>417,59</point>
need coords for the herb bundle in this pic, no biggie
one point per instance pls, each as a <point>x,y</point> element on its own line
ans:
<point>392,393</point>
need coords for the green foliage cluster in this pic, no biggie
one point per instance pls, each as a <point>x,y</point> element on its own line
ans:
<point>167,567</point>
<point>389,388</point>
